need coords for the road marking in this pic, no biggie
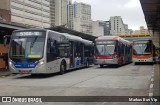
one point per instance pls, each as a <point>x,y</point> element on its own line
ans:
<point>152,79</point>
<point>152,83</point>
<point>151,86</point>
<point>150,94</point>
<point>152,75</point>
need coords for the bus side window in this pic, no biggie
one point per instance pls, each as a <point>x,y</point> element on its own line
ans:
<point>78,49</point>
<point>119,48</point>
<point>51,50</point>
<point>48,50</point>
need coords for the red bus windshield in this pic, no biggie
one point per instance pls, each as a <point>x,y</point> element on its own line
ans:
<point>105,47</point>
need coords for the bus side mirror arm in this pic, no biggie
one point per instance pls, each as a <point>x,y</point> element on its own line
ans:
<point>5,39</point>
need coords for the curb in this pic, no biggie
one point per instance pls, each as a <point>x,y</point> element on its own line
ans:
<point>151,84</point>
<point>6,75</point>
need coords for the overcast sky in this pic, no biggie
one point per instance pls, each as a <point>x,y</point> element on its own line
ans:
<point>129,10</point>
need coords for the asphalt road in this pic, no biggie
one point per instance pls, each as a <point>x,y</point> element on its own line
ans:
<point>128,80</point>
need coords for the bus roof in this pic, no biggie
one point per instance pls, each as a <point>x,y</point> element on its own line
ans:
<point>104,38</point>
<point>108,38</point>
<point>36,29</point>
<point>142,40</point>
<point>77,38</point>
<point>68,36</point>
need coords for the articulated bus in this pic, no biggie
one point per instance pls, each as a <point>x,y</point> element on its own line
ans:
<point>143,51</point>
<point>39,51</point>
<point>112,50</point>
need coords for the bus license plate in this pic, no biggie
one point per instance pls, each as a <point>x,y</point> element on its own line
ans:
<point>24,72</point>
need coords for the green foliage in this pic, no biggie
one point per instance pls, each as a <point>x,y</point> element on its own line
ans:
<point>158,51</point>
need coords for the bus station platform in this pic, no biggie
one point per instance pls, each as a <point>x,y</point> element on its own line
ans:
<point>156,87</point>
<point>156,82</point>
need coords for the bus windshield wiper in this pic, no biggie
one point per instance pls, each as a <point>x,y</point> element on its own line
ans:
<point>32,43</point>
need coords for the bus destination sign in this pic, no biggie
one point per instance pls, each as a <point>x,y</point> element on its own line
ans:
<point>105,42</point>
<point>29,33</point>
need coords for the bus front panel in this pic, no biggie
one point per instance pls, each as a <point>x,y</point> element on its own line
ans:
<point>27,51</point>
<point>142,51</point>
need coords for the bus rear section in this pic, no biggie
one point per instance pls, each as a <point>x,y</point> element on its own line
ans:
<point>112,51</point>
<point>143,51</point>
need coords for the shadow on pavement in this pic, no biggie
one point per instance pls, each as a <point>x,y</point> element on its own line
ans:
<point>144,63</point>
<point>43,76</point>
<point>112,66</point>
<point>35,76</point>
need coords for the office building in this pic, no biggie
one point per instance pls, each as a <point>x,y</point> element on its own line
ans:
<point>82,18</point>
<point>60,12</point>
<point>141,30</point>
<point>118,27</point>
<point>34,13</point>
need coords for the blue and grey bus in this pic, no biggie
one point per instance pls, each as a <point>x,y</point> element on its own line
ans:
<point>40,51</point>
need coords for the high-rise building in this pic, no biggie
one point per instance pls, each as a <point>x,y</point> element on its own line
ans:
<point>98,28</point>
<point>5,13</point>
<point>70,15</point>
<point>29,12</point>
<point>82,18</point>
<point>76,16</point>
<point>141,30</point>
<point>52,12</point>
<point>107,28</point>
<point>117,26</point>
<point>60,12</point>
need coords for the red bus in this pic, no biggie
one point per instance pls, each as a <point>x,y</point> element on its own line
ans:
<point>111,50</point>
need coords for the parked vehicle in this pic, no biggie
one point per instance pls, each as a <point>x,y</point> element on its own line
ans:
<point>35,51</point>
<point>112,50</point>
<point>143,51</point>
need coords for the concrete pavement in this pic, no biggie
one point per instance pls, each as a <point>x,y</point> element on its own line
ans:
<point>128,80</point>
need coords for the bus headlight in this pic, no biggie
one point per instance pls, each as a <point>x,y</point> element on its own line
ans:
<point>10,63</point>
<point>41,63</point>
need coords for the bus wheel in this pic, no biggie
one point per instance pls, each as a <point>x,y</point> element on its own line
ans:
<point>62,68</point>
<point>101,66</point>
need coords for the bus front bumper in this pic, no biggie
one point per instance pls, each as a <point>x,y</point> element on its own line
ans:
<point>106,61</point>
<point>143,60</point>
<point>37,70</point>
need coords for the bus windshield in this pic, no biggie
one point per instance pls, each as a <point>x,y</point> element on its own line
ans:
<point>27,45</point>
<point>142,48</point>
<point>105,48</point>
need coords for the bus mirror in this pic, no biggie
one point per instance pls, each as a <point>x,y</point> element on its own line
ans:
<point>5,39</point>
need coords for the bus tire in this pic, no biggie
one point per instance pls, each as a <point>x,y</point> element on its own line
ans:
<point>87,63</point>
<point>135,63</point>
<point>101,66</point>
<point>62,68</point>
